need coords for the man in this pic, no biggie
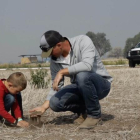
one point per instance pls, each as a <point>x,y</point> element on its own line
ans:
<point>77,58</point>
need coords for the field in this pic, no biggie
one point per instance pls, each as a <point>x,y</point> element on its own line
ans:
<point>120,112</point>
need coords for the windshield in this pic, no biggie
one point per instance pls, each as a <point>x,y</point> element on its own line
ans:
<point>138,45</point>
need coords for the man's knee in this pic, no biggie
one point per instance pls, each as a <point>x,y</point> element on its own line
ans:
<point>81,78</point>
<point>54,104</point>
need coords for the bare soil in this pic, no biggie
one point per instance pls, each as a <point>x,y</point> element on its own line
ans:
<point>120,112</point>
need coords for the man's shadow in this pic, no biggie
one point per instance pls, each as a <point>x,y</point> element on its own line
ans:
<point>69,119</point>
<point>107,117</point>
<point>66,119</point>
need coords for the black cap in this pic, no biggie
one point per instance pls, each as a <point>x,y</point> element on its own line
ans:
<point>48,40</point>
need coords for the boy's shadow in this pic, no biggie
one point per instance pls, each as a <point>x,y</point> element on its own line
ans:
<point>69,119</point>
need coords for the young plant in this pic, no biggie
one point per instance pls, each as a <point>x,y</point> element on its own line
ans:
<point>38,78</point>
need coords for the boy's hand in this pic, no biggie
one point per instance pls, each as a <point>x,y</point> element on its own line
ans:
<point>23,124</point>
<point>39,109</point>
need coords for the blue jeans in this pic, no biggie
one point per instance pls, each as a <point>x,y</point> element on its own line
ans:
<point>82,96</point>
<point>9,99</point>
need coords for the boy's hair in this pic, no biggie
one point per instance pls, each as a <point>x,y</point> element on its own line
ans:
<point>17,79</point>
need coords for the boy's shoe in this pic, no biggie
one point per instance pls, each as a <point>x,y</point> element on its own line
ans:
<point>1,118</point>
<point>80,118</point>
<point>89,123</point>
<point>7,123</point>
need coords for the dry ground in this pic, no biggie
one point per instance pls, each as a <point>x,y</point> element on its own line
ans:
<point>120,113</point>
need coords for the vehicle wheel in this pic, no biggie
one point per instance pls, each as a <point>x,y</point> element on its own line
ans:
<point>131,63</point>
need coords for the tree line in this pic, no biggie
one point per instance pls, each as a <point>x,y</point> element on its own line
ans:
<point>103,45</point>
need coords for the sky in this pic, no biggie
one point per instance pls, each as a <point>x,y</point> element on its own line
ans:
<point>22,22</point>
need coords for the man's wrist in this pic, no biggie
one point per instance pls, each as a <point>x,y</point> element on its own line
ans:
<point>45,106</point>
<point>61,72</point>
<point>64,72</point>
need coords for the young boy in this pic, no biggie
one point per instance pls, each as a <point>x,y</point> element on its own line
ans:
<point>10,99</point>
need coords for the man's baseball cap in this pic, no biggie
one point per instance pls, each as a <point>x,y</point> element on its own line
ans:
<point>48,40</point>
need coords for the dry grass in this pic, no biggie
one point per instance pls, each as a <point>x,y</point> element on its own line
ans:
<point>30,65</point>
<point>120,113</point>
<point>112,61</point>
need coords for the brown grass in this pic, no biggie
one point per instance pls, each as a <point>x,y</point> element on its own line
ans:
<point>120,113</point>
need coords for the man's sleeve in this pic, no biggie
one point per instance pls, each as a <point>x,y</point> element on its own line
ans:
<point>87,50</point>
<point>54,68</point>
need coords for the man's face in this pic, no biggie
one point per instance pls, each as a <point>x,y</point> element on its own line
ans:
<point>57,51</point>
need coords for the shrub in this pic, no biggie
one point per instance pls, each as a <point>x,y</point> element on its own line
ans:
<point>38,78</point>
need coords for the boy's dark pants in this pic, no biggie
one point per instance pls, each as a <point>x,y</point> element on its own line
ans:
<point>83,96</point>
<point>9,99</point>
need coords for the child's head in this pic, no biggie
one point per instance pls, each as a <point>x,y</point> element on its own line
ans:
<point>16,82</point>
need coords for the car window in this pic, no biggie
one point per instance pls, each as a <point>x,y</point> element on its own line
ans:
<point>138,45</point>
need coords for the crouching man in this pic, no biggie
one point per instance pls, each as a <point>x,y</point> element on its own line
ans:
<point>77,58</point>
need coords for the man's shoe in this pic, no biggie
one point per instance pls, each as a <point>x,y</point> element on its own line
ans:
<point>89,123</point>
<point>81,118</point>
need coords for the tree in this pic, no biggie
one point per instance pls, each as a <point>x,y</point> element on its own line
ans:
<point>100,42</point>
<point>130,43</point>
<point>116,52</point>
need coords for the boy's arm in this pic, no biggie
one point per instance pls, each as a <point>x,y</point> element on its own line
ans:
<point>3,112</point>
<point>17,113</point>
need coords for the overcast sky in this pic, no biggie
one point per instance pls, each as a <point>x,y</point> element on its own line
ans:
<point>22,22</point>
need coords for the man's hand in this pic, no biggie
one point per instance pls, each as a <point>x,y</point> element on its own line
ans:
<point>38,109</point>
<point>23,124</point>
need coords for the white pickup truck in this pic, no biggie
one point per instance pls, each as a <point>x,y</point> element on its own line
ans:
<point>134,56</point>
